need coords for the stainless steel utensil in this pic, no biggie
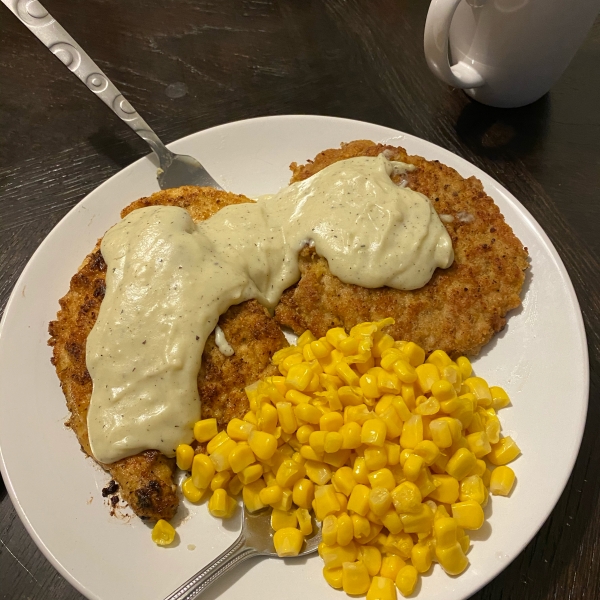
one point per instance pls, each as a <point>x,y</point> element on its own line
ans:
<point>254,540</point>
<point>175,169</point>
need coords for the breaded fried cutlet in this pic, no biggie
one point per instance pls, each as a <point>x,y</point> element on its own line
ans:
<point>146,480</point>
<point>461,307</point>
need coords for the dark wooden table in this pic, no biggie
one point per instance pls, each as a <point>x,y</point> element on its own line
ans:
<point>190,64</point>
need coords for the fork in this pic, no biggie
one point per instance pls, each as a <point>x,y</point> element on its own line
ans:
<point>175,170</point>
<point>254,540</point>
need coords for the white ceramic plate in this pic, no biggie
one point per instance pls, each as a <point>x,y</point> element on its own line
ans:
<point>57,491</point>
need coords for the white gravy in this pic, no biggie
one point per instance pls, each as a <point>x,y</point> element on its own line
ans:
<point>169,279</point>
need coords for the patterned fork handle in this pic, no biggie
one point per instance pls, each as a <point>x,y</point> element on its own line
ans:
<point>37,19</point>
<point>235,554</point>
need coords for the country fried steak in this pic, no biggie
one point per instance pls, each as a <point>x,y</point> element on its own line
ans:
<point>461,307</point>
<point>459,310</point>
<point>146,480</point>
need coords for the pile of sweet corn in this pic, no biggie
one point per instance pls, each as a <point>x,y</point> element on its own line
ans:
<point>386,449</point>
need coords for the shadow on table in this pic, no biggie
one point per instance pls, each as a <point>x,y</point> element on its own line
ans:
<point>495,132</point>
<point>120,150</point>
<point>2,489</point>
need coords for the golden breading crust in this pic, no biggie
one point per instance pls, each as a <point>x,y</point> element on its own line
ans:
<point>461,308</point>
<point>146,480</point>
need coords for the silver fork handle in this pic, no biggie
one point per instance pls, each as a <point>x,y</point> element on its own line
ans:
<point>37,19</point>
<point>235,554</point>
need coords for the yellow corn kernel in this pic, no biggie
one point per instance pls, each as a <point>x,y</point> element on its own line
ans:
<point>357,414</point>
<point>262,444</point>
<point>421,556</point>
<point>412,432</point>
<point>381,588</point>
<point>332,422</point>
<point>287,363</point>
<point>406,497</point>
<point>464,364</point>
<point>452,558</point>
<point>393,453</point>
<point>368,385</point>
<point>184,455</point>
<point>191,492</point>
<point>500,398</point>
<point>505,451</point>
<point>303,493</point>
<point>439,358</point>
<point>250,474</point>
<point>361,528</point>
<point>304,521</point>
<point>299,376</point>
<point>205,430</point>
<point>355,578</point>
<point>418,522</point>
<point>348,345</point>
<point>406,580</point>
<point>415,354</point>
<point>281,519</point>
<point>492,429</point>
<point>307,353</point>
<point>337,459</point>
<point>380,500</point>
<point>350,396</point>
<point>316,441</point>
<point>446,489</point>
<point>333,577</point>
<point>400,406</point>
<point>271,495</point>
<point>371,558</point>
<point>307,413</point>
<point>373,432</point>
<point>303,433</point>
<point>343,480</point>
<point>241,457</point>
<point>359,499</point>
<point>329,530</point>
<point>220,455</point>
<point>282,354</point>
<point>408,395</point>
<point>202,471</point>
<point>163,533</point>
<point>391,565</point>
<point>296,398</point>
<point>321,348</point>
<point>239,430</point>
<point>250,417</point>
<point>288,541</point>
<point>428,451</point>
<point>426,406</point>
<point>399,543</point>
<point>289,472</point>
<point>381,343</point>
<point>412,467</point>
<point>220,480</point>
<point>443,391</point>
<point>235,486</point>
<point>345,529</point>
<point>267,418</point>
<point>360,470</point>
<point>393,423</point>
<point>387,383</point>
<point>479,388</point>
<point>452,374</point>
<point>318,472</point>
<point>389,356</point>
<point>479,443</point>
<point>375,458</point>
<point>306,338</point>
<point>427,375</point>
<point>502,481</point>
<point>216,441</point>
<point>285,503</point>
<point>351,434</point>
<point>286,417</point>
<point>461,463</point>
<point>325,502</point>
<point>334,336</point>
<point>382,478</point>
<point>392,521</point>
<point>405,372</point>
<point>333,442</point>
<point>468,514</point>
<point>251,495</point>
<point>221,505</point>
<point>346,374</point>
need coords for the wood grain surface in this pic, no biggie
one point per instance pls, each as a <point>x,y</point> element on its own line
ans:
<point>190,64</point>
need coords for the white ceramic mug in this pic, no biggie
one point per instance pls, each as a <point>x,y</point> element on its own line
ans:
<point>505,52</point>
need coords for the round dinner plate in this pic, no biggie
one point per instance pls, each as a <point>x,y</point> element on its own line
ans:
<point>540,359</point>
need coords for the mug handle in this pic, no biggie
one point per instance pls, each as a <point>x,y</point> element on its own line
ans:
<point>437,29</point>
